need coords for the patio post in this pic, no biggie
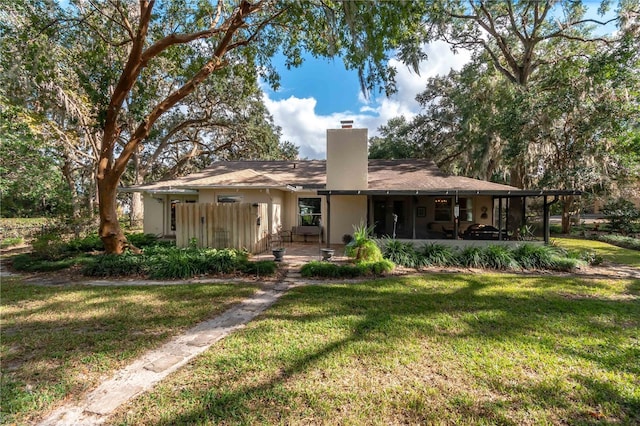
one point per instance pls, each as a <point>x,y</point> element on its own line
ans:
<point>500,218</point>
<point>545,220</point>
<point>328,220</point>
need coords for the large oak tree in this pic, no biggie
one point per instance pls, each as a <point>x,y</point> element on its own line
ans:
<point>143,60</point>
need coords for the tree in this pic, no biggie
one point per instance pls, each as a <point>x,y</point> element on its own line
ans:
<point>395,141</point>
<point>30,183</point>
<point>136,63</point>
<point>211,37</point>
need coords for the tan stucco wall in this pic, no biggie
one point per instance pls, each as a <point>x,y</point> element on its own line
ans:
<point>347,164</point>
<point>346,211</point>
<point>157,213</point>
<point>153,222</point>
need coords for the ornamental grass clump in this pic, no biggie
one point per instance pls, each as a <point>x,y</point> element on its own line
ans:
<point>402,253</point>
<point>437,254</point>
<point>113,265</point>
<point>363,247</point>
<point>499,257</point>
<point>532,256</point>
<point>471,257</point>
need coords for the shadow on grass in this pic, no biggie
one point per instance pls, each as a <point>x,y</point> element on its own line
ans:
<point>58,341</point>
<point>474,315</point>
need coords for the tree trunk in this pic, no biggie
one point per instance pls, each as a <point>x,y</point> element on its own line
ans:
<point>137,208</point>
<point>567,203</point>
<point>110,232</point>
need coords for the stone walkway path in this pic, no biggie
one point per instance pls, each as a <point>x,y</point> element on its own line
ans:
<point>155,365</point>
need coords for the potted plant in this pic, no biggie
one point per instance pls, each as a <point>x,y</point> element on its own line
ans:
<point>327,253</point>
<point>278,253</point>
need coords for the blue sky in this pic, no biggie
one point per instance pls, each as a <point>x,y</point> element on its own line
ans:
<point>320,93</point>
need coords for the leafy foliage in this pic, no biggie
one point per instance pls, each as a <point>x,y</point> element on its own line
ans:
<point>402,253</point>
<point>621,214</point>
<point>499,257</point>
<point>363,247</point>
<point>333,270</point>
<point>437,254</point>
<point>531,256</point>
<point>621,241</point>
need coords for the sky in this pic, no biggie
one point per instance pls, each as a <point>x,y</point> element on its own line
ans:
<point>319,94</point>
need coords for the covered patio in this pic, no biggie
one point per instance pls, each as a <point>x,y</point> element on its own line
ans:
<point>448,214</point>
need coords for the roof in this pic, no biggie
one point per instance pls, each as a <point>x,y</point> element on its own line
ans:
<point>413,176</point>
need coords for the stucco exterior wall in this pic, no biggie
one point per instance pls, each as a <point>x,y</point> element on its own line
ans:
<point>157,212</point>
<point>154,215</point>
<point>346,211</point>
<point>347,159</point>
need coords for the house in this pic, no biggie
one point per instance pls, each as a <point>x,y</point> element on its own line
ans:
<point>323,200</point>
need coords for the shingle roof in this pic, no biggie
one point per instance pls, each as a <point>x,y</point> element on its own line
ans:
<point>410,174</point>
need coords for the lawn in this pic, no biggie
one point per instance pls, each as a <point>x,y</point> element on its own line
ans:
<point>609,252</point>
<point>58,342</point>
<point>431,349</point>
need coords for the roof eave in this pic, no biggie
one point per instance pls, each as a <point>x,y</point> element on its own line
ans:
<point>443,192</point>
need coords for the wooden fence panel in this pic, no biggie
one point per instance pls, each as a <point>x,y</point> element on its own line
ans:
<point>222,225</point>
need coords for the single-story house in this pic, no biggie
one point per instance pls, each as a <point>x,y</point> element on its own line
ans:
<point>322,200</point>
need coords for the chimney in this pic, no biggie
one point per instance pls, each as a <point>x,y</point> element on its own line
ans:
<point>347,152</point>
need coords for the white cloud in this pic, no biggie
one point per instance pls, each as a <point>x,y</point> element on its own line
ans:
<point>304,127</point>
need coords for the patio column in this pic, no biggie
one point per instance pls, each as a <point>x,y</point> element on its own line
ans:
<point>499,218</point>
<point>328,220</point>
<point>545,220</point>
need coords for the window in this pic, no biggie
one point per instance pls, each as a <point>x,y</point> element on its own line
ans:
<point>229,198</point>
<point>443,209</point>
<point>309,211</point>
<point>466,210</point>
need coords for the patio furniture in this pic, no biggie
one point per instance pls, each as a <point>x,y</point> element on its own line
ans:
<point>483,232</point>
<point>306,230</point>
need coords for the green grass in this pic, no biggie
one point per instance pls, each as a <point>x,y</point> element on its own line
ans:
<point>609,252</point>
<point>436,349</point>
<point>57,342</point>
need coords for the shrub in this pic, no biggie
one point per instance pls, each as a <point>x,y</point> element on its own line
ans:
<point>555,229</point>
<point>566,264</point>
<point>533,256</point>
<point>91,242</point>
<point>28,263</point>
<point>621,215</point>
<point>499,257</point>
<point>115,265</point>
<point>621,241</point>
<point>262,267</point>
<point>363,248</point>
<point>378,268</point>
<point>591,257</point>
<point>437,254</point>
<point>334,270</point>
<point>141,240</point>
<point>470,256</point>
<point>319,269</point>
<point>402,253</point>
<point>48,246</point>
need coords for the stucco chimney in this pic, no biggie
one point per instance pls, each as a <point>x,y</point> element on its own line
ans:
<point>347,165</point>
